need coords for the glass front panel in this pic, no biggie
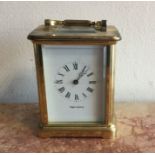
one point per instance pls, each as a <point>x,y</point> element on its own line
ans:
<point>74,83</point>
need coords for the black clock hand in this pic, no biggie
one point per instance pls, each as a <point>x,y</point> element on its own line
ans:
<point>83,72</point>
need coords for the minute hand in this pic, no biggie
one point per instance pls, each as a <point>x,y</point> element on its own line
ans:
<point>84,71</point>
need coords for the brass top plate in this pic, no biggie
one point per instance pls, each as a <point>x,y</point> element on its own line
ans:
<point>56,31</point>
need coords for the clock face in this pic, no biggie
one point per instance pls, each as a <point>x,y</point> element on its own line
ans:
<point>74,83</point>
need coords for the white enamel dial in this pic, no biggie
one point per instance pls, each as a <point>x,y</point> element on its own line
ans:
<point>74,83</point>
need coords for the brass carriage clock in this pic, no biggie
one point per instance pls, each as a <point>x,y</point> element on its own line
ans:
<point>75,72</point>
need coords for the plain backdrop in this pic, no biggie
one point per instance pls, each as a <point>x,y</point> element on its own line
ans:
<point>135,59</point>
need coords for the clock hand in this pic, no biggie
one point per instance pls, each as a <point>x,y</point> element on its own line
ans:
<point>83,72</point>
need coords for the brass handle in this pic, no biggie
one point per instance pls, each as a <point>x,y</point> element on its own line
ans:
<point>99,25</point>
<point>77,23</point>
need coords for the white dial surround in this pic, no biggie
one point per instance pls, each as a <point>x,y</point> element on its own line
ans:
<point>89,107</point>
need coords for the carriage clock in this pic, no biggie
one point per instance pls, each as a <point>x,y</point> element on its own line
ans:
<point>75,74</point>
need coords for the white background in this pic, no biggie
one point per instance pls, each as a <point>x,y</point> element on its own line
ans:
<point>135,66</point>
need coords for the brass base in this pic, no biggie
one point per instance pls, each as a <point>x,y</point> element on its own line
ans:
<point>72,131</point>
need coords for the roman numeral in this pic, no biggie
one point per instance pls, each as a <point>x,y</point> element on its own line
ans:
<point>59,82</point>
<point>75,66</point>
<point>84,94</point>
<point>76,97</point>
<point>61,90</point>
<point>92,82</point>
<point>83,70</point>
<point>68,95</point>
<point>90,89</point>
<point>66,68</point>
<point>61,74</point>
<point>90,74</point>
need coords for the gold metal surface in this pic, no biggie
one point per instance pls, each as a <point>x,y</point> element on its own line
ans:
<point>50,33</point>
<point>99,25</point>
<point>84,23</point>
<point>55,30</point>
<point>74,42</point>
<point>110,70</point>
<point>54,23</point>
<point>41,84</point>
<point>64,131</point>
<point>47,35</point>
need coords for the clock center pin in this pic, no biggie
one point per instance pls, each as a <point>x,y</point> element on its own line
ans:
<point>75,82</point>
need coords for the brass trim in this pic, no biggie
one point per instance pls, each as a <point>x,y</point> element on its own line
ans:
<point>110,70</point>
<point>41,84</point>
<point>73,124</point>
<point>100,132</point>
<point>49,42</point>
<point>53,33</point>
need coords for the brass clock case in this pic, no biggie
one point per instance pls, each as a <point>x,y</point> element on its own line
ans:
<point>76,32</point>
